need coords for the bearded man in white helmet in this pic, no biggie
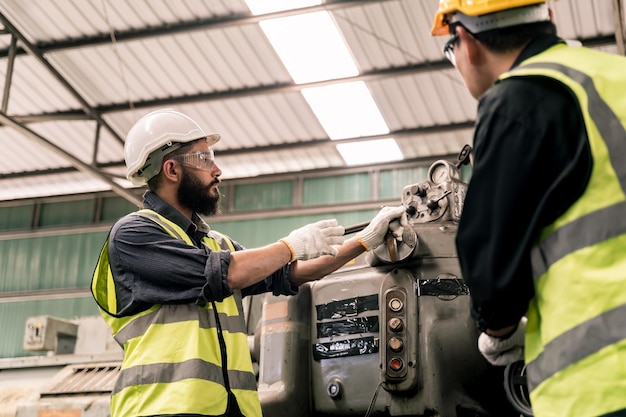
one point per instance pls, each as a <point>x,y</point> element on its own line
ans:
<point>170,288</point>
<point>542,237</point>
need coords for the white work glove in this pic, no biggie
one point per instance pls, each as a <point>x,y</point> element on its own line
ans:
<point>314,240</point>
<point>392,219</point>
<point>502,352</point>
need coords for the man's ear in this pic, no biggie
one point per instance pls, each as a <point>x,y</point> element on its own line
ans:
<point>171,170</point>
<point>473,47</point>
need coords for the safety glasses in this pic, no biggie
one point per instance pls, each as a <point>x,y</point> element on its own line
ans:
<point>448,49</point>
<point>203,160</point>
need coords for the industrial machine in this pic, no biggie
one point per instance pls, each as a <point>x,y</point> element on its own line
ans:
<point>389,334</point>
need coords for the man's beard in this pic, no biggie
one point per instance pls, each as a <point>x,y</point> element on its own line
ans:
<point>193,194</point>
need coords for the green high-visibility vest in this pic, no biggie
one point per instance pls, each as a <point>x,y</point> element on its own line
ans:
<point>172,361</point>
<point>576,335</point>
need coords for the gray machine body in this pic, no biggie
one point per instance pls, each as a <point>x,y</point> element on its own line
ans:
<point>387,334</point>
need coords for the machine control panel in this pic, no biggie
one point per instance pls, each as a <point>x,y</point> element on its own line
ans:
<point>396,359</point>
<point>439,198</point>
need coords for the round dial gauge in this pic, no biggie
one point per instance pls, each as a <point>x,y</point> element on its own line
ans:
<point>439,172</point>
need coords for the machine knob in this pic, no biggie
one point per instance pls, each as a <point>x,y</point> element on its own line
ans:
<point>395,324</point>
<point>432,204</point>
<point>396,344</point>
<point>334,389</point>
<point>395,304</point>
<point>418,190</point>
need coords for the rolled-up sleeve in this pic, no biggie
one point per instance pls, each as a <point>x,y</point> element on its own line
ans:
<point>216,272</point>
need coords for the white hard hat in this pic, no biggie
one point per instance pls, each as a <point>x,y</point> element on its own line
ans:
<point>155,135</point>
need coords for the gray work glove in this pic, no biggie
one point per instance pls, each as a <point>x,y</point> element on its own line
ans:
<point>392,219</point>
<point>314,240</point>
<point>502,352</point>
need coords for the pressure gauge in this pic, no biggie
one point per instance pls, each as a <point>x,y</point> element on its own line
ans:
<point>442,171</point>
<point>439,172</point>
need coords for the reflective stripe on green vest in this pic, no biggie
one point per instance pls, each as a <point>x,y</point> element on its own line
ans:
<point>172,360</point>
<point>576,334</point>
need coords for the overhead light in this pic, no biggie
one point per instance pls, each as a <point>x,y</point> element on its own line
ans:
<point>310,46</point>
<point>269,6</point>
<point>370,152</point>
<point>312,49</point>
<point>346,110</point>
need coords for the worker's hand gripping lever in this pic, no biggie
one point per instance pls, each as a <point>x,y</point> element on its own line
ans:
<point>400,238</point>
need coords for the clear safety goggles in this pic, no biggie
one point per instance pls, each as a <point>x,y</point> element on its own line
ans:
<point>203,160</point>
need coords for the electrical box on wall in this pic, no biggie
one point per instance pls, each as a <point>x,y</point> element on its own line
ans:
<point>45,333</point>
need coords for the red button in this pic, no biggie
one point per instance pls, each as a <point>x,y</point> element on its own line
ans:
<point>396,364</point>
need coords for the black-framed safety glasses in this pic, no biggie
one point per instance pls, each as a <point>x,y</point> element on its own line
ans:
<point>448,49</point>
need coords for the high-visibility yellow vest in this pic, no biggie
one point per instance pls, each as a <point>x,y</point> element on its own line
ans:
<point>172,362</point>
<point>576,334</point>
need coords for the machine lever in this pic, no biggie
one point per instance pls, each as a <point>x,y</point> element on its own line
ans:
<point>465,157</point>
<point>392,246</point>
<point>355,228</point>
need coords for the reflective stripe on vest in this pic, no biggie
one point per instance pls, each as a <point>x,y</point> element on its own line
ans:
<point>576,322</point>
<point>151,375</point>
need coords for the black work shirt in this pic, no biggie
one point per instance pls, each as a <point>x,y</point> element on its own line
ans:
<point>531,162</point>
<point>151,267</point>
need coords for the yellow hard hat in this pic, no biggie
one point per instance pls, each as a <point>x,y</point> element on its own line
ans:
<point>472,8</point>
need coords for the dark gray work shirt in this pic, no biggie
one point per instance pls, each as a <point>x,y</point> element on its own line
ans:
<point>531,162</point>
<point>151,267</point>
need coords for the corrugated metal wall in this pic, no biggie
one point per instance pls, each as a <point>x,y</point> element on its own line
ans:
<point>49,262</point>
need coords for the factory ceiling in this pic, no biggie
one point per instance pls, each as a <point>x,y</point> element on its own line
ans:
<point>75,75</point>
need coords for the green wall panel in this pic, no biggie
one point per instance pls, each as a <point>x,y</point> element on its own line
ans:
<point>263,196</point>
<point>16,217</point>
<point>37,263</point>
<point>67,213</point>
<point>393,181</point>
<point>115,207</point>
<point>342,189</point>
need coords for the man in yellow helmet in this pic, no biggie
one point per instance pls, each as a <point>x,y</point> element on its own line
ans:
<point>170,287</point>
<point>542,238</point>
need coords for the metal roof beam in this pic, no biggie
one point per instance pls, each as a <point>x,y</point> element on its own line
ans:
<point>34,52</point>
<point>185,27</point>
<point>619,15</point>
<point>76,163</point>
<point>413,69</point>
<point>316,143</point>
<point>235,93</point>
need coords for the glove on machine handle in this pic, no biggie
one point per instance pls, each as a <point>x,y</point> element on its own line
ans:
<point>391,241</point>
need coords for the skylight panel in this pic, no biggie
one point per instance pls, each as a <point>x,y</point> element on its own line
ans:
<point>269,6</point>
<point>370,152</point>
<point>313,49</point>
<point>310,46</point>
<point>346,110</point>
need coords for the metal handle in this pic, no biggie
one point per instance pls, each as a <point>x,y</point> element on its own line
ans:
<point>355,228</point>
